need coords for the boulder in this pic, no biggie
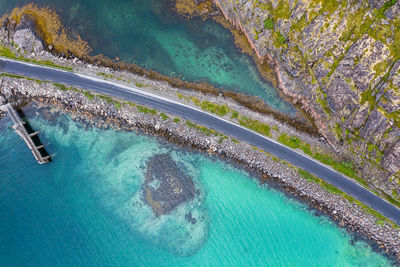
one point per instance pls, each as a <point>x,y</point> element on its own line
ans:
<point>26,37</point>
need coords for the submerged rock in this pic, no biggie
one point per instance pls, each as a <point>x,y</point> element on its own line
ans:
<point>166,186</point>
<point>168,191</point>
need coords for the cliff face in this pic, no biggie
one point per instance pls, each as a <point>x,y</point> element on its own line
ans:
<point>340,60</point>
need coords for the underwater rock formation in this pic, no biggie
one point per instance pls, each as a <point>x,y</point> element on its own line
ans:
<point>166,186</point>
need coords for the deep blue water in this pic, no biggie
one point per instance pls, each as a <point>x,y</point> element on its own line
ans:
<point>86,208</point>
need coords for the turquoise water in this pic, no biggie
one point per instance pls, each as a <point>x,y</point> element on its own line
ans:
<point>149,33</point>
<point>86,209</point>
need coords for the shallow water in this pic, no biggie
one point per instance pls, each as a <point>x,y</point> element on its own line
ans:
<point>86,209</point>
<point>149,33</point>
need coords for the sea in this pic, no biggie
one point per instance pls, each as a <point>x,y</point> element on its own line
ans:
<point>88,208</point>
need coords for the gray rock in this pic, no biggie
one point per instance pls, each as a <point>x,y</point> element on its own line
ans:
<point>26,37</point>
<point>339,94</point>
<point>374,127</point>
<point>391,161</point>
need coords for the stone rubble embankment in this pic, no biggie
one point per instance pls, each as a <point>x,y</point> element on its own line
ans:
<point>127,117</point>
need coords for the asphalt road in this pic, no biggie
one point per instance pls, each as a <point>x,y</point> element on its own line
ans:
<point>138,96</point>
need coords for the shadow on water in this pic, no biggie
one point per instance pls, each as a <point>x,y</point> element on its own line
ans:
<point>36,140</point>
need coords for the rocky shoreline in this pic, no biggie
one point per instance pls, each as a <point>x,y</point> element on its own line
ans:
<point>101,114</point>
<point>23,42</point>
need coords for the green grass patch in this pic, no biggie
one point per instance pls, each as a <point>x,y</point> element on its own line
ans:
<point>308,176</point>
<point>235,141</point>
<point>14,76</point>
<point>346,168</point>
<point>105,75</point>
<point>140,85</point>
<point>391,199</point>
<point>269,24</point>
<point>145,110</point>
<point>235,115</point>
<point>299,25</point>
<point>368,96</point>
<point>324,104</point>
<point>108,99</point>
<point>380,13</point>
<point>291,141</point>
<point>177,120</point>
<point>395,47</point>
<point>313,179</point>
<point>220,110</point>
<point>369,210</point>
<point>338,131</point>
<point>205,130</point>
<point>163,116</point>
<point>255,125</point>
<point>306,149</point>
<point>221,139</point>
<point>191,124</point>
<point>20,77</point>
<point>279,40</point>
<point>118,105</point>
<point>371,147</point>
<point>381,67</point>
<point>61,87</point>
<point>89,95</point>
<point>202,129</point>
<point>6,52</point>
<point>333,67</point>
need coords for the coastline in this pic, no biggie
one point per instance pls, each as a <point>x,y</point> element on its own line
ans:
<point>266,65</point>
<point>102,113</point>
<point>301,121</point>
<point>264,166</point>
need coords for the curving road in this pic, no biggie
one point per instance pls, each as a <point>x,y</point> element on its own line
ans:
<point>138,96</point>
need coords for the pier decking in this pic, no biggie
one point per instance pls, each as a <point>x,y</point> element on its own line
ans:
<point>19,127</point>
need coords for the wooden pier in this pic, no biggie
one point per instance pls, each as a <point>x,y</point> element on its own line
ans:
<point>19,127</point>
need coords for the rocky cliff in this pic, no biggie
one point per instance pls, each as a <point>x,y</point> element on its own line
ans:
<point>340,60</point>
